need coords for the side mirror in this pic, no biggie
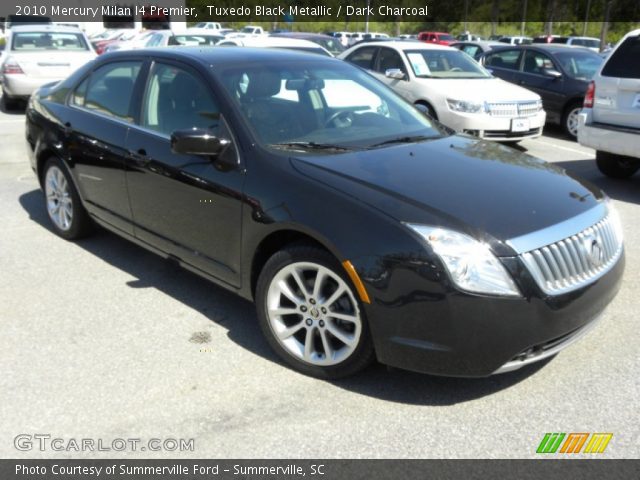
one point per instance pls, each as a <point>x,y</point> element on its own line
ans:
<point>197,141</point>
<point>395,73</point>
<point>551,72</point>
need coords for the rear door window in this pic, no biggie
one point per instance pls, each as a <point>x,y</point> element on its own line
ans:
<point>507,59</point>
<point>624,62</point>
<point>363,57</point>
<point>110,90</point>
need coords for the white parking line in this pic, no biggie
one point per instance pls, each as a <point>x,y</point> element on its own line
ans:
<point>574,150</point>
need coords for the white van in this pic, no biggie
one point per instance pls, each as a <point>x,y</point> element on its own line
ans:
<point>610,119</point>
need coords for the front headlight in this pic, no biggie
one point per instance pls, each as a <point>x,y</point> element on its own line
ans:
<point>465,106</point>
<point>470,264</point>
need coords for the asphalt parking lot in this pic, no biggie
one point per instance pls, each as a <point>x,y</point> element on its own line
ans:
<point>101,339</point>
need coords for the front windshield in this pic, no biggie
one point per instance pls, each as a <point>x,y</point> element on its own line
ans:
<point>444,64</point>
<point>321,103</point>
<point>580,65</point>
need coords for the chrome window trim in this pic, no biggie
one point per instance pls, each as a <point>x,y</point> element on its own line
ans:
<point>560,231</point>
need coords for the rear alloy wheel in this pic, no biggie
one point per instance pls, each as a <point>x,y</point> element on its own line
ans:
<point>616,166</point>
<point>310,315</point>
<point>68,216</point>
<point>570,119</point>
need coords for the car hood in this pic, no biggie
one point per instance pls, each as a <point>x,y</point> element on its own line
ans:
<point>490,90</point>
<point>482,188</point>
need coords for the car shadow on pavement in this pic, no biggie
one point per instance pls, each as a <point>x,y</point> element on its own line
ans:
<point>14,111</point>
<point>625,190</point>
<point>239,318</point>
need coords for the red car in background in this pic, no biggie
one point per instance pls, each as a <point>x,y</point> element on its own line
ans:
<point>124,35</point>
<point>439,38</point>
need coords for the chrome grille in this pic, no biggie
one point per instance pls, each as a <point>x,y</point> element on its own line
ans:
<point>513,109</point>
<point>577,260</point>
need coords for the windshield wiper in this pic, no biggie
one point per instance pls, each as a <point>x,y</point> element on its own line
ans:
<point>413,139</point>
<point>312,146</point>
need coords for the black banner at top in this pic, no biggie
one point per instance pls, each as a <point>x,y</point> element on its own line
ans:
<point>291,11</point>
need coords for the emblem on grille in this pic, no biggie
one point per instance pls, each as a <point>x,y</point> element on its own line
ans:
<point>594,250</point>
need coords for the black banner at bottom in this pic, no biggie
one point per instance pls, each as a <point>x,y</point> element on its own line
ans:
<point>547,469</point>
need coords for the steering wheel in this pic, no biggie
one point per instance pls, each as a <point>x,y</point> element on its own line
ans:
<point>455,69</point>
<point>348,119</point>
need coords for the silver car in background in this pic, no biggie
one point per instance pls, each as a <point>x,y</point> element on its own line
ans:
<point>39,54</point>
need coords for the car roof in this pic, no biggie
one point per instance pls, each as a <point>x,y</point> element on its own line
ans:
<point>44,27</point>
<point>482,43</point>
<point>272,41</point>
<point>404,45</point>
<point>300,35</point>
<point>220,56</point>
<point>550,48</point>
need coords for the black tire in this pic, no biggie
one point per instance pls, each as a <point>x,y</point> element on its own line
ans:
<point>80,223</point>
<point>616,166</point>
<point>361,355</point>
<point>430,110</point>
<point>568,121</point>
<point>9,103</point>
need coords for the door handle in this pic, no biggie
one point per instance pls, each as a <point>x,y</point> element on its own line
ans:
<point>140,157</point>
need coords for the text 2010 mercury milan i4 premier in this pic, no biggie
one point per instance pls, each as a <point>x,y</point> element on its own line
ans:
<point>361,229</point>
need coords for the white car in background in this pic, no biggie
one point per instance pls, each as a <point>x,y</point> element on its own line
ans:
<point>510,40</point>
<point>166,38</point>
<point>453,88</point>
<point>610,119</point>
<point>131,41</point>
<point>343,37</point>
<point>275,42</point>
<point>208,26</point>
<point>40,54</point>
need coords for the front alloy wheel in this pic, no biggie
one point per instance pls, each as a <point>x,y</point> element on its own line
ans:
<point>310,314</point>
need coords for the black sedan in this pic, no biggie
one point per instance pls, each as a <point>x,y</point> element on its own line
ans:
<point>361,229</point>
<point>558,73</point>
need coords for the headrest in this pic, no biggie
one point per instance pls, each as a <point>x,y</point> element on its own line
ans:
<point>263,84</point>
<point>184,90</point>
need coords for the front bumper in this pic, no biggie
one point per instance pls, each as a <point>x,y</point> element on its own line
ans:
<point>437,330</point>
<point>493,128</point>
<point>607,138</point>
<point>22,86</point>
